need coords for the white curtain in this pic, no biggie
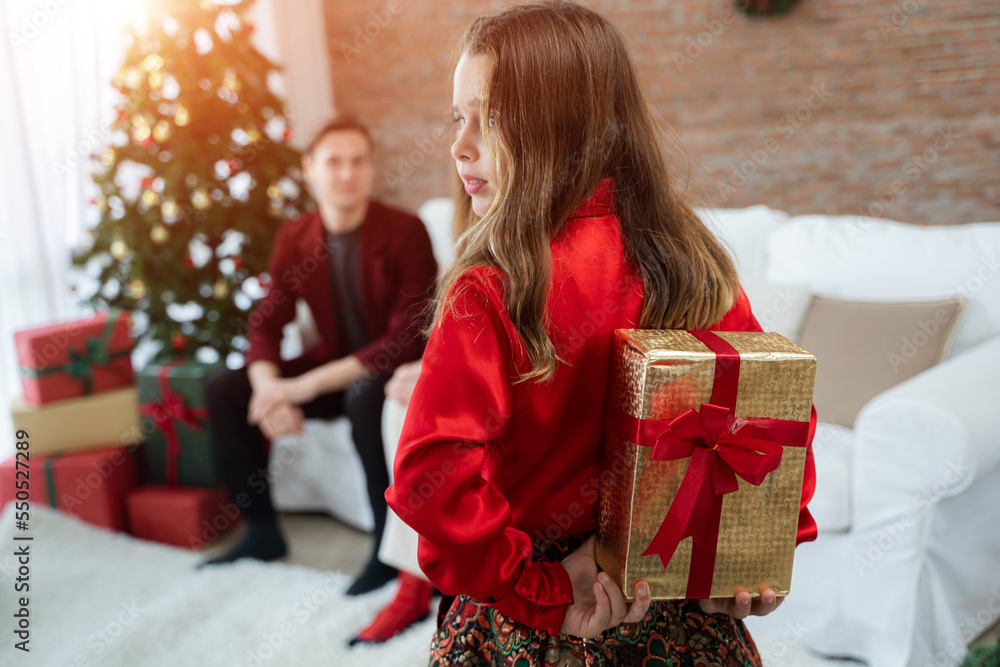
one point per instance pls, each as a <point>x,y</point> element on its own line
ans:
<point>57,60</point>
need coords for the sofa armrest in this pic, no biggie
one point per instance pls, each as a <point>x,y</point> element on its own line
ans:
<point>927,438</point>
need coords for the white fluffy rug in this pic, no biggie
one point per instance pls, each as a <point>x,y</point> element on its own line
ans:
<point>101,599</point>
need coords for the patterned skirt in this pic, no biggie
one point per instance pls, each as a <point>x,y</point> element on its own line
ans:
<point>672,634</point>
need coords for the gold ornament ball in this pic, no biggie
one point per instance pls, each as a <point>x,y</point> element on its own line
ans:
<point>230,82</point>
<point>119,249</point>
<point>155,80</point>
<point>201,200</point>
<point>141,133</point>
<point>273,192</point>
<point>151,63</point>
<point>159,234</point>
<point>108,157</point>
<point>220,290</point>
<point>162,131</point>
<point>150,198</point>
<point>182,117</point>
<point>138,288</point>
<point>170,209</point>
<point>254,135</point>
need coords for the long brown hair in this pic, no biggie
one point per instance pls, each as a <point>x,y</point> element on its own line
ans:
<point>568,110</point>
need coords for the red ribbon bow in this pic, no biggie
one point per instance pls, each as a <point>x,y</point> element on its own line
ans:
<point>165,412</point>
<point>718,453</point>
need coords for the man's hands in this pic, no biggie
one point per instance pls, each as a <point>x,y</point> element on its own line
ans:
<point>274,405</point>
<point>598,603</point>
<point>275,391</point>
<point>742,604</point>
<point>283,419</point>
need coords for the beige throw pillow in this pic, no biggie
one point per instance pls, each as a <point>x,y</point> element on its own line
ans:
<point>864,348</point>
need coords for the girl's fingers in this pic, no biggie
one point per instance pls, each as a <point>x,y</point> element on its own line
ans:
<point>619,606</point>
<point>637,611</point>
<point>602,612</point>
<point>742,606</point>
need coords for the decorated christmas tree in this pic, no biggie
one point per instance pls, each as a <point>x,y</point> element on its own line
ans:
<point>196,179</point>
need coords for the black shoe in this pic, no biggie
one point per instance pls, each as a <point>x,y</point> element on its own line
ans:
<point>376,575</point>
<point>263,541</point>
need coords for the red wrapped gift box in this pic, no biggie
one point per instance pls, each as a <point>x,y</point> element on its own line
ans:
<point>182,516</point>
<point>90,485</point>
<point>75,358</point>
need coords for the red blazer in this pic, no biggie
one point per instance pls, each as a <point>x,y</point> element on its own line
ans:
<point>485,465</point>
<point>398,274</point>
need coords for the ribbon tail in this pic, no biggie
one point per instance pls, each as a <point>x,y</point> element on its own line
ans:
<point>676,525</point>
<point>703,553</point>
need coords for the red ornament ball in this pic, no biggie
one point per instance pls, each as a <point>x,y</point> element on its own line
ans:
<point>147,183</point>
<point>188,262</point>
<point>178,342</point>
<point>234,166</point>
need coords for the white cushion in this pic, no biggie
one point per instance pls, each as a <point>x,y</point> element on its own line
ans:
<point>437,215</point>
<point>865,259</point>
<point>831,503</point>
<point>321,471</point>
<point>779,308</point>
<point>744,232</point>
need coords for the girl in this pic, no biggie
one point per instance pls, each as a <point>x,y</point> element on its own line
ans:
<point>575,231</point>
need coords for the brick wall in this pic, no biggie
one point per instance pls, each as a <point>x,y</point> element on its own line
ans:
<point>885,106</point>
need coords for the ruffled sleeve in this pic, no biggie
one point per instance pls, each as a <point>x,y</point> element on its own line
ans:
<point>459,412</point>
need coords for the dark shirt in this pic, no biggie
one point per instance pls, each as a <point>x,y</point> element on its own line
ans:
<point>345,279</point>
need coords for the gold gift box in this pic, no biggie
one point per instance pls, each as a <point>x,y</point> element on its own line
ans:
<point>660,374</point>
<point>86,422</point>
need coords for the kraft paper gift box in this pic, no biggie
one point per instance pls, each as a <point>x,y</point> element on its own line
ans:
<point>178,515</point>
<point>90,485</point>
<point>179,447</point>
<point>78,358</point>
<point>706,445</point>
<point>111,417</point>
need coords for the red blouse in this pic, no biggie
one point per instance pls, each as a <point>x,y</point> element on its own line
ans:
<point>485,465</point>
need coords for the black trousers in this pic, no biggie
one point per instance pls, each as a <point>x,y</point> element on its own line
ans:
<point>242,449</point>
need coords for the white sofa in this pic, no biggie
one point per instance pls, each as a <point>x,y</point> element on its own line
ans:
<point>906,569</point>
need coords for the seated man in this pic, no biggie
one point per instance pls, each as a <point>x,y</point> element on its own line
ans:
<point>366,271</point>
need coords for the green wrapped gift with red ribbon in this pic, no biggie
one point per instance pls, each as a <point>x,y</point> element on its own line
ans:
<point>77,358</point>
<point>91,485</point>
<point>179,446</point>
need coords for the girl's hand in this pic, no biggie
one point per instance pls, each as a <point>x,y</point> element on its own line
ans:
<point>743,605</point>
<point>599,604</point>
